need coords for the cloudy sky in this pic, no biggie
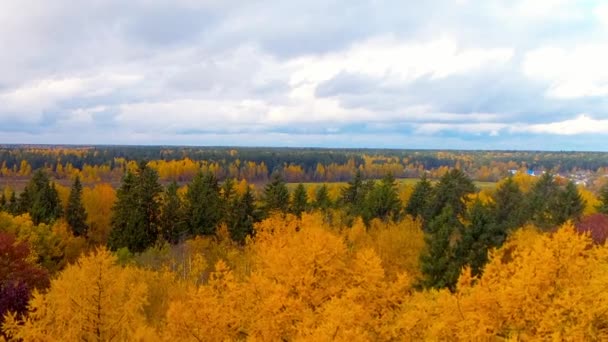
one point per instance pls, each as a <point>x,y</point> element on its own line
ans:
<point>486,74</point>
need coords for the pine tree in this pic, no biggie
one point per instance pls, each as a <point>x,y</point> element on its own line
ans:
<point>243,218</point>
<point>568,205</point>
<point>3,202</point>
<point>228,190</point>
<point>322,200</point>
<point>603,197</point>
<point>276,195</point>
<point>509,205</point>
<point>299,201</point>
<point>418,204</point>
<point>40,199</point>
<point>75,213</point>
<point>136,219</point>
<point>203,204</point>
<point>353,194</point>
<point>482,234</point>
<point>541,200</point>
<point>383,201</point>
<point>438,264</point>
<point>13,204</point>
<point>171,216</point>
<point>452,190</point>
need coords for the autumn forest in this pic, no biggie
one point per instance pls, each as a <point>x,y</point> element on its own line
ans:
<point>125,243</point>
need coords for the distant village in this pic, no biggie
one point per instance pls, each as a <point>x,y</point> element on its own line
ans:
<point>583,177</point>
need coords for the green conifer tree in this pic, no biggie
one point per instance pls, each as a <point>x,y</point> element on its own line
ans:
<point>243,218</point>
<point>419,202</point>
<point>299,201</point>
<point>603,198</point>
<point>383,201</point>
<point>322,200</point>
<point>438,264</point>
<point>276,195</point>
<point>541,199</point>
<point>40,199</point>
<point>172,222</point>
<point>568,205</point>
<point>203,204</point>
<point>75,214</point>
<point>451,190</point>
<point>136,218</point>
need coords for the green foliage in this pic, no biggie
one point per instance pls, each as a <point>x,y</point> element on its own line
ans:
<point>299,201</point>
<point>172,223</point>
<point>482,234</point>
<point>40,199</point>
<point>75,214</point>
<point>3,202</point>
<point>603,197</point>
<point>439,266</point>
<point>382,201</point>
<point>509,206</point>
<point>354,194</point>
<point>322,200</point>
<point>452,190</point>
<point>136,219</point>
<point>243,216</point>
<point>419,202</point>
<point>276,195</point>
<point>541,201</point>
<point>203,204</point>
<point>569,205</point>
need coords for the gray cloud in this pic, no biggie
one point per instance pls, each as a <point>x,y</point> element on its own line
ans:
<point>189,71</point>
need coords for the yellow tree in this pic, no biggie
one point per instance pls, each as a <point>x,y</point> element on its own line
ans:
<point>92,300</point>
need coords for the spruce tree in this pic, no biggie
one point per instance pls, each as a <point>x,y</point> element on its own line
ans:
<point>509,205</point>
<point>322,200</point>
<point>13,204</point>
<point>136,219</point>
<point>482,234</point>
<point>40,199</point>
<point>75,213</point>
<point>603,197</point>
<point>243,217</point>
<point>383,201</point>
<point>299,201</point>
<point>3,202</point>
<point>418,204</point>
<point>353,193</point>
<point>541,201</point>
<point>568,205</point>
<point>439,267</point>
<point>276,195</point>
<point>451,190</point>
<point>171,215</point>
<point>203,204</point>
<point>353,196</point>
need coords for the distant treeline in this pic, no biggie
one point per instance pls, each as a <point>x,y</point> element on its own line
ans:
<point>257,164</point>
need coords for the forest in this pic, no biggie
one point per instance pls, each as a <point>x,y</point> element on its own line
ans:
<point>151,244</point>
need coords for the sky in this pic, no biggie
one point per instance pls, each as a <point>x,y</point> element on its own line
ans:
<point>436,74</point>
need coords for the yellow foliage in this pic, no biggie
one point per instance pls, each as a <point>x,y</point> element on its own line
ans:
<point>98,202</point>
<point>94,299</point>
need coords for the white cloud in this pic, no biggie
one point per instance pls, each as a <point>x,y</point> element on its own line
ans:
<point>570,73</point>
<point>398,61</point>
<point>470,128</point>
<point>28,102</point>
<point>582,124</point>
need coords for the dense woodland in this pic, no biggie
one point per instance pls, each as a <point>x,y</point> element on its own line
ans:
<point>256,165</point>
<point>214,258</point>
